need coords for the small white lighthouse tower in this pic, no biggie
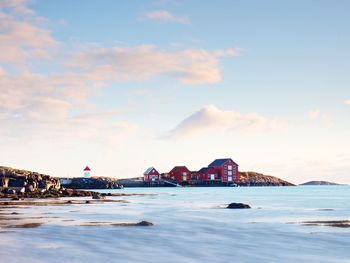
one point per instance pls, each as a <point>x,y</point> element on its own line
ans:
<point>87,171</point>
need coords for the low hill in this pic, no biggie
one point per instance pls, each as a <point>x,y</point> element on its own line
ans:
<point>319,183</point>
<point>258,179</point>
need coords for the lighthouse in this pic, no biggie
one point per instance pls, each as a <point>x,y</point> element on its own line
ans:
<point>87,171</point>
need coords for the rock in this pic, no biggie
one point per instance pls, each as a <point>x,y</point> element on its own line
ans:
<point>144,223</point>
<point>92,183</point>
<point>258,179</point>
<point>98,196</point>
<point>9,191</point>
<point>29,189</point>
<point>238,206</point>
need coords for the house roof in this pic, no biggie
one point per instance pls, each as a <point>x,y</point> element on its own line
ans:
<point>87,168</point>
<point>203,170</point>
<point>177,168</point>
<point>149,170</point>
<point>219,162</point>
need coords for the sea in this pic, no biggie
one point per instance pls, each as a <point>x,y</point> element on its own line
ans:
<point>190,225</point>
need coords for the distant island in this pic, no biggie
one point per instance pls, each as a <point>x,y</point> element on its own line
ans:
<point>319,183</point>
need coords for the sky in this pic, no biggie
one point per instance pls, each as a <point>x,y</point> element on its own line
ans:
<point>125,85</point>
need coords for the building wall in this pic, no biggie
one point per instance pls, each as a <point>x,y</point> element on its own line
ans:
<point>151,175</point>
<point>225,172</point>
<point>178,174</point>
<point>207,175</point>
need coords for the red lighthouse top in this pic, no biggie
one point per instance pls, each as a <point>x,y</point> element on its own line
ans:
<point>87,168</point>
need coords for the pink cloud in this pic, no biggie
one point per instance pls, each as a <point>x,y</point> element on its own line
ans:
<point>189,66</point>
<point>166,16</point>
<point>45,104</point>
<point>210,118</point>
<point>22,37</point>
<point>347,102</point>
<point>313,114</point>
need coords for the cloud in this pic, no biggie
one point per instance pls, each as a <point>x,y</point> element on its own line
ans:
<point>325,119</point>
<point>313,114</point>
<point>210,118</point>
<point>16,6</point>
<point>189,66</point>
<point>166,16</point>
<point>22,34</point>
<point>38,102</point>
<point>347,102</point>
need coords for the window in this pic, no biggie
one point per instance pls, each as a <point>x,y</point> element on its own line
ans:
<point>229,172</point>
<point>230,167</point>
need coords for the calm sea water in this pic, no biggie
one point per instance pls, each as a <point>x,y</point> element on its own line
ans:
<point>191,225</point>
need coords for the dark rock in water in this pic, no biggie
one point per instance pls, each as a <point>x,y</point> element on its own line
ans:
<point>144,223</point>
<point>238,206</point>
<point>98,196</point>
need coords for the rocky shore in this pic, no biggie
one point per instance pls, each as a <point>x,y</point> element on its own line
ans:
<point>18,184</point>
<point>258,179</point>
<point>91,183</point>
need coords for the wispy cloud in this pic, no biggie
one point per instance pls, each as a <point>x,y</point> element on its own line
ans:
<point>313,114</point>
<point>210,118</point>
<point>166,16</point>
<point>324,118</point>
<point>189,66</point>
<point>22,33</point>
<point>347,102</point>
<point>38,103</point>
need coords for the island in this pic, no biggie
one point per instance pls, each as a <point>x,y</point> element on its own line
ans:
<point>319,183</point>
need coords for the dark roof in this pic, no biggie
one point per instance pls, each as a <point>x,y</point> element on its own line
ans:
<point>203,170</point>
<point>219,162</point>
<point>177,168</point>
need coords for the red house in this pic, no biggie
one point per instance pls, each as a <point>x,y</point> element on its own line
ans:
<point>208,174</point>
<point>227,169</point>
<point>180,174</point>
<point>151,175</point>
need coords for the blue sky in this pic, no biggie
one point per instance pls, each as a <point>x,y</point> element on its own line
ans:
<point>123,86</point>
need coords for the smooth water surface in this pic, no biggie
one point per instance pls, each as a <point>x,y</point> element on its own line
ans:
<point>190,225</point>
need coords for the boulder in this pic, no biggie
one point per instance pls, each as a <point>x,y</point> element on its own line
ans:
<point>144,223</point>
<point>238,206</point>
<point>98,196</point>
<point>29,189</point>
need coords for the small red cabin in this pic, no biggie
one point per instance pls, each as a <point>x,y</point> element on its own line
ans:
<point>151,175</point>
<point>180,174</point>
<point>227,169</point>
<point>208,174</point>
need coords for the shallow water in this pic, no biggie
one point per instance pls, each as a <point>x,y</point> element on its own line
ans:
<point>190,225</point>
